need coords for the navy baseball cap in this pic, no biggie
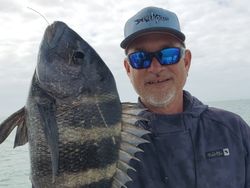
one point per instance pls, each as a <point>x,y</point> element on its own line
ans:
<point>151,19</point>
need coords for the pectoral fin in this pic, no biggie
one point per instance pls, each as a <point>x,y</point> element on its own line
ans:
<point>15,120</point>
<point>47,112</point>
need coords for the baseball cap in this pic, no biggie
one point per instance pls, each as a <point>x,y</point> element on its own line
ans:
<point>151,19</point>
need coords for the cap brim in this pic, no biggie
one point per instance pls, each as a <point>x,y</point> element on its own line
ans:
<point>179,35</point>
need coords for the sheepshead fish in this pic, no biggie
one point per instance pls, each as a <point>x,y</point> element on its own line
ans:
<point>79,133</point>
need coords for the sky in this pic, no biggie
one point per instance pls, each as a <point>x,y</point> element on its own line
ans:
<point>217,33</point>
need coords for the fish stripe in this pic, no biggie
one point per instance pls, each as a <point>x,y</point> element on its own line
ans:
<point>91,154</point>
<point>75,157</point>
<point>97,114</point>
<point>81,135</point>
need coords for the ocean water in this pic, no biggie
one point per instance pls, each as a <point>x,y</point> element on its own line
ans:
<point>241,107</point>
<point>14,163</point>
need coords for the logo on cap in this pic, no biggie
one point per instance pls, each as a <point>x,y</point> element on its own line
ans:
<point>151,17</point>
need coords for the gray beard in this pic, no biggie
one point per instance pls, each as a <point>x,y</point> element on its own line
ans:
<point>163,102</point>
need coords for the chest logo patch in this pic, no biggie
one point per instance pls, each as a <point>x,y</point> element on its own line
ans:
<point>224,152</point>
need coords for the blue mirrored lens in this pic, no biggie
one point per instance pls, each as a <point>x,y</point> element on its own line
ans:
<point>168,56</point>
<point>139,60</point>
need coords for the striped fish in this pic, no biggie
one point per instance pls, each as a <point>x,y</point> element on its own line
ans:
<point>79,133</point>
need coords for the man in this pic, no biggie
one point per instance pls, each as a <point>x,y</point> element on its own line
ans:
<point>191,145</point>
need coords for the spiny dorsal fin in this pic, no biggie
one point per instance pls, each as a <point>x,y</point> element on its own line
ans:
<point>131,137</point>
<point>137,131</point>
<point>122,176</point>
<point>126,157</point>
<point>117,184</point>
<point>131,108</point>
<point>124,166</point>
<point>130,148</point>
<point>131,119</point>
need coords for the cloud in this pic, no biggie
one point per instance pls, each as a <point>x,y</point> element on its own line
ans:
<point>9,6</point>
<point>216,32</point>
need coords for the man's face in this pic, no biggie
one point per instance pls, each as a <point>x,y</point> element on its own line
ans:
<point>159,85</point>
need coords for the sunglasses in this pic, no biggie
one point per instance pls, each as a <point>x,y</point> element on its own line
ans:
<point>165,56</point>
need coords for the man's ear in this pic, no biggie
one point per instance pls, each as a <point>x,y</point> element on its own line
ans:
<point>127,66</point>
<point>187,59</point>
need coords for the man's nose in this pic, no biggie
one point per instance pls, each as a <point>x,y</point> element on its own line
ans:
<point>155,66</point>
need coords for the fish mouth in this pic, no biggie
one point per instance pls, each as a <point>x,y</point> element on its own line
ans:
<point>54,32</point>
<point>158,81</point>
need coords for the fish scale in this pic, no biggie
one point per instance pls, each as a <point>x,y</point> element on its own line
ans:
<point>79,133</point>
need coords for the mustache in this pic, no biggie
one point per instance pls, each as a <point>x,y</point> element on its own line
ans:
<point>157,77</point>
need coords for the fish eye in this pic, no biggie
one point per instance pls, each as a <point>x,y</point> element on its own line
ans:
<point>77,57</point>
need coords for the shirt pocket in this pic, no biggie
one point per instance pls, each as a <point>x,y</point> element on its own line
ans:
<point>176,158</point>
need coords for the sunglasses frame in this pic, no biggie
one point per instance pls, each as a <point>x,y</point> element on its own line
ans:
<point>155,54</point>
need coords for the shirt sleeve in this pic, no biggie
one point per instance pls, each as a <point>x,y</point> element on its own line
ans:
<point>246,141</point>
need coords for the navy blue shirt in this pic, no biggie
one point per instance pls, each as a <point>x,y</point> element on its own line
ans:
<point>202,147</point>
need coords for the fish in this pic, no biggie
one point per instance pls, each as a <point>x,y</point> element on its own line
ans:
<point>79,132</point>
